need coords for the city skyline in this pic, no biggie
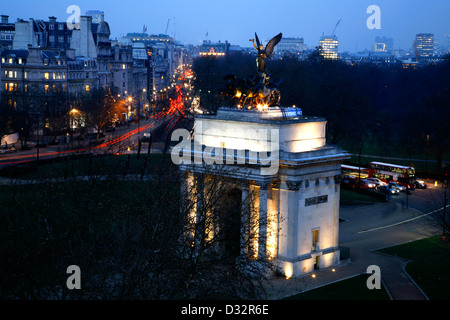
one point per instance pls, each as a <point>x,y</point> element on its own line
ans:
<point>236,22</point>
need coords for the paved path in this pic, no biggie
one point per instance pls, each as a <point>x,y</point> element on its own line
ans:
<point>361,233</point>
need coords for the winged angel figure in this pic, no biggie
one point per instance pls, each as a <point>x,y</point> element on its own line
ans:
<point>266,53</point>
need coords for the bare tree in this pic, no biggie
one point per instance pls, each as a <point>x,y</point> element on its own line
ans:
<point>133,237</point>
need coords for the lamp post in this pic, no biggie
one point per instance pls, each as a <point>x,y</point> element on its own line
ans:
<point>72,114</point>
<point>444,224</point>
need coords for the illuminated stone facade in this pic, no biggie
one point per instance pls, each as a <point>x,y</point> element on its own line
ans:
<point>296,201</point>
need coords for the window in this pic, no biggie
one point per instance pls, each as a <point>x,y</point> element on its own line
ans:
<point>87,88</point>
<point>124,66</point>
<point>61,26</point>
<point>51,38</point>
<point>19,61</point>
<point>46,88</point>
<point>12,86</point>
<point>46,76</point>
<point>61,39</point>
<point>51,26</point>
<point>10,60</point>
<point>10,74</point>
<point>25,74</point>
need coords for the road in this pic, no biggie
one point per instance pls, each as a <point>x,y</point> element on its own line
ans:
<point>121,141</point>
<point>427,201</point>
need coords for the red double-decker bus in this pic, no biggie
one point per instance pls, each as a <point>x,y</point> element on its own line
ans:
<point>386,172</point>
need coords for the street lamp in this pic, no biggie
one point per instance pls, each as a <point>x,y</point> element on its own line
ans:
<point>72,114</point>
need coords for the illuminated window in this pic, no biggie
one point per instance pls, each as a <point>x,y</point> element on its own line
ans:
<point>124,66</point>
<point>12,86</point>
<point>46,88</point>
<point>46,76</point>
<point>87,88</point>
<point>25,74</point>
<point>10,74</point>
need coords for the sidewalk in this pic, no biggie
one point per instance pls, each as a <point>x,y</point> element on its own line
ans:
<point>362,246</point>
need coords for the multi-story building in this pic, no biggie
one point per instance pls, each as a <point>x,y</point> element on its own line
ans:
<point>88,55</point>
<point>424,46</point>
<point>7,32</point>
<point>49,34</point>
<point>214,49</point>
<point>43,71</point>
<point>290,46</point>
<point>82,74</point>
<point>328,47</point>
<point>155,53</point>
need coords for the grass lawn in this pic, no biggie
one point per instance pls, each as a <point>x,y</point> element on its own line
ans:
<point>430,265</point>
<point>353,198</point>
<point>85,166</point>
<point>354,288</point>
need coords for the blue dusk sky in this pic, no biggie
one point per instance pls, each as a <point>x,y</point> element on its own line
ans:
<point>236,21</point>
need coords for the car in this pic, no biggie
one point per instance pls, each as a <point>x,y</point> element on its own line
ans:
<point>420,184</point>
<point>388,189</point>
<point>398,186</point>
<point>8,150</point>
<point>377,182</point>
<point>364,183</point>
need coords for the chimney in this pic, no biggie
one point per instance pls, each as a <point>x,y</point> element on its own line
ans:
<point>116,53</point>
<point>5,19</point>
<point>52,19</point>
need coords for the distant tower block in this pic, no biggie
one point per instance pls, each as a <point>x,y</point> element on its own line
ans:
<point>297,202</point>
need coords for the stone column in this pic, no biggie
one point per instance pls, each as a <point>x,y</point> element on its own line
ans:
<point>200,219</point>
<point>262,239</point>
<point>245,218</point>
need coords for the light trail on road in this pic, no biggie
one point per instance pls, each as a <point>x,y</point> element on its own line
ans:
<point>79,150</point>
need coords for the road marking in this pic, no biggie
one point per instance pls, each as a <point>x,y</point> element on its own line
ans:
<point>402,222</point>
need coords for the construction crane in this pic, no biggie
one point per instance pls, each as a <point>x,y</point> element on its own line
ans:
<point>334,31</point>
<point>167,27</point>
